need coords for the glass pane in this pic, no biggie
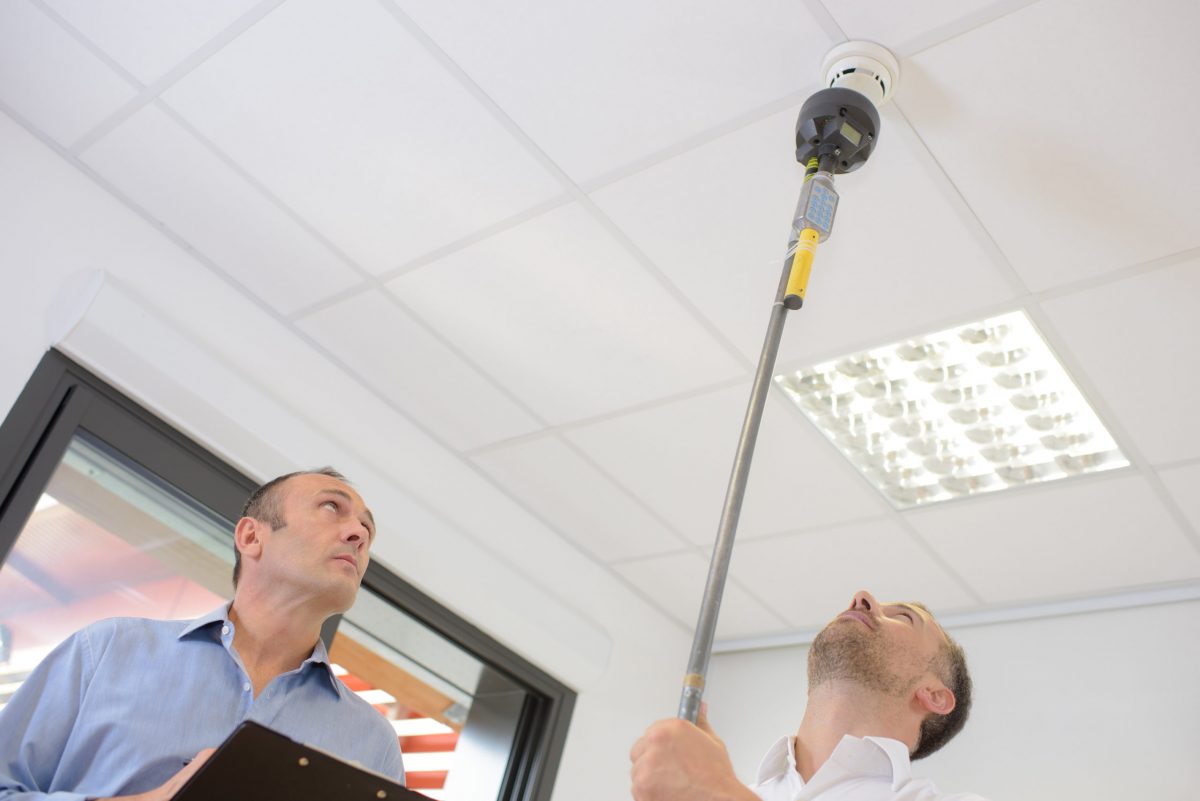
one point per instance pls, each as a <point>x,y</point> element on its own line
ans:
<point>419,680</point>
<point>105,541</point>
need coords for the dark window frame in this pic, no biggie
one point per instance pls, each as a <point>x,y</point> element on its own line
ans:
<point>62,397</point>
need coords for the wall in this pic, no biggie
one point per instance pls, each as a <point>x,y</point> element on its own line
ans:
<point>1100,706</point>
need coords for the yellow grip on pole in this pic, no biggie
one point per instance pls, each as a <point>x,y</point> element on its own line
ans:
<point>797,285</point>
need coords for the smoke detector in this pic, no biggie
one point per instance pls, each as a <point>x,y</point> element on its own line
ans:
<point>865,67</point>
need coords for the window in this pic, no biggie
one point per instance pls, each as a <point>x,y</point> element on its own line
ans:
<point>107,511</point>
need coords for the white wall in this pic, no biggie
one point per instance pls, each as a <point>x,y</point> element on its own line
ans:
<point>1102,706</point>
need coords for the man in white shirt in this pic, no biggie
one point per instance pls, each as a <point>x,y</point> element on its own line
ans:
<point>886,685</point>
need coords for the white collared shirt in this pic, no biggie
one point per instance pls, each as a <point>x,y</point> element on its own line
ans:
<point>859,769</point>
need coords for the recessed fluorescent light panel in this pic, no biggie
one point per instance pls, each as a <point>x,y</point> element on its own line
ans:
<point>977,408</point>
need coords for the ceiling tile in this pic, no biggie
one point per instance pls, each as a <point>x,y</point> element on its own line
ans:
<point>1181,482</point>
<point>808,578</point>
<point>171,175</point>
<point>1077,537</point>
<point>400,358</point>
<point>565,318</point>
<point>149,37</point>
<point>902,25</point>
<point>677,458</point>
<point>1073,153</point>
<point>676,583</point>
<point>600,85</point>
<point>51,79</point>
<point>353,124</point>
<point>1130,337</point>
<point>716,220</point>
<point>578,499</point>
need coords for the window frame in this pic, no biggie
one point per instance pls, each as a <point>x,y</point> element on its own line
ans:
<point>63,397</point>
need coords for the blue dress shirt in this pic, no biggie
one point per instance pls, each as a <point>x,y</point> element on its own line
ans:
<point>119,707</point>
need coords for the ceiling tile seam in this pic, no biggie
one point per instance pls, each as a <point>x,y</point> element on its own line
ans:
<point>690,548</point>
<point>711,328</point>
<point>320,351</point>
<point>706,557</point>
<point>156,224</point>
<point>1091,393</point>
<point>261,189</point>
<point>936,557</point>
<point>1176,464</point>
<point>275,201</point>
<point>958,201</point>
<point>637,500</point>
<point>965,24</point>
<point>329,301</point>
<point>147,94</point>
<point>792,100</point>
<point>413,497</point>
<point>369,280</point>
<point>481,235</point>
<point>819,528</point>
<point>790,408</point>
<point>88,44</point>
<point>752,594</point>
<point>828,22</point>
<point>386,476</point>
<point>551,166</point>
<point>584,422</point>
<point>1110,420</point>
<point>1119,274</point>
<point>467,360</point>
<point>486,101</point>
<point>890,511</point>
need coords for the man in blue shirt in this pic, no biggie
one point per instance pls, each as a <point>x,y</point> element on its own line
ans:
<point>130,708</point>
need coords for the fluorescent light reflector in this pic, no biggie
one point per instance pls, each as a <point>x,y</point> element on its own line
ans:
<point>976,408</point>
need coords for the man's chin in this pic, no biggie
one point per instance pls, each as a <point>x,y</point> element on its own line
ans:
<point>341,597</point>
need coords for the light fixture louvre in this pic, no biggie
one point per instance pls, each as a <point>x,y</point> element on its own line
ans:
<point>976,408</point>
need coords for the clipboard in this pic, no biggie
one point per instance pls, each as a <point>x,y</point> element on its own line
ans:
<point>258,764</point>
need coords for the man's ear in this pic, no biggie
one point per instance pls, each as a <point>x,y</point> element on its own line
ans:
<point>248,537</point>
<point>936,698</point>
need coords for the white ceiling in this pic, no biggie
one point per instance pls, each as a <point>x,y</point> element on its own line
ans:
<point>516,260</point>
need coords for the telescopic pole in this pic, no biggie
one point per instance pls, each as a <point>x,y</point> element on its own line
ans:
<point>836,133</point>
<point>790,295</point>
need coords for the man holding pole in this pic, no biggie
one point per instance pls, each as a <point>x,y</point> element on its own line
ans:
<point>886,685</point>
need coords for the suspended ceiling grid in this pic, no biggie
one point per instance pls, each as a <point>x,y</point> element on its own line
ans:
<point>517,258</point>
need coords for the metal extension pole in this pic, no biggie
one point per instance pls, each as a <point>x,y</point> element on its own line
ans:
<point>718,569</point>
<point>836,132</point>
<point>808,228</point>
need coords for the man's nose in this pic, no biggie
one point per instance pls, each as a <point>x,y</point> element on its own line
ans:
<point>864,601</point>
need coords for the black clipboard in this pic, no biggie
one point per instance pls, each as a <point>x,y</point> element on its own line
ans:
<point>258,764</point>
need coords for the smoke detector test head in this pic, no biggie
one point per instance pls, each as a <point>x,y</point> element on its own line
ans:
<point>839,125</point>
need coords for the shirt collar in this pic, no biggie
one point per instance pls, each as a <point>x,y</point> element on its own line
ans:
<point>779,758</point>
<point>880,757</point>
<point>320,661</point>
<point>218,615</point>
<point>319,658</point>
